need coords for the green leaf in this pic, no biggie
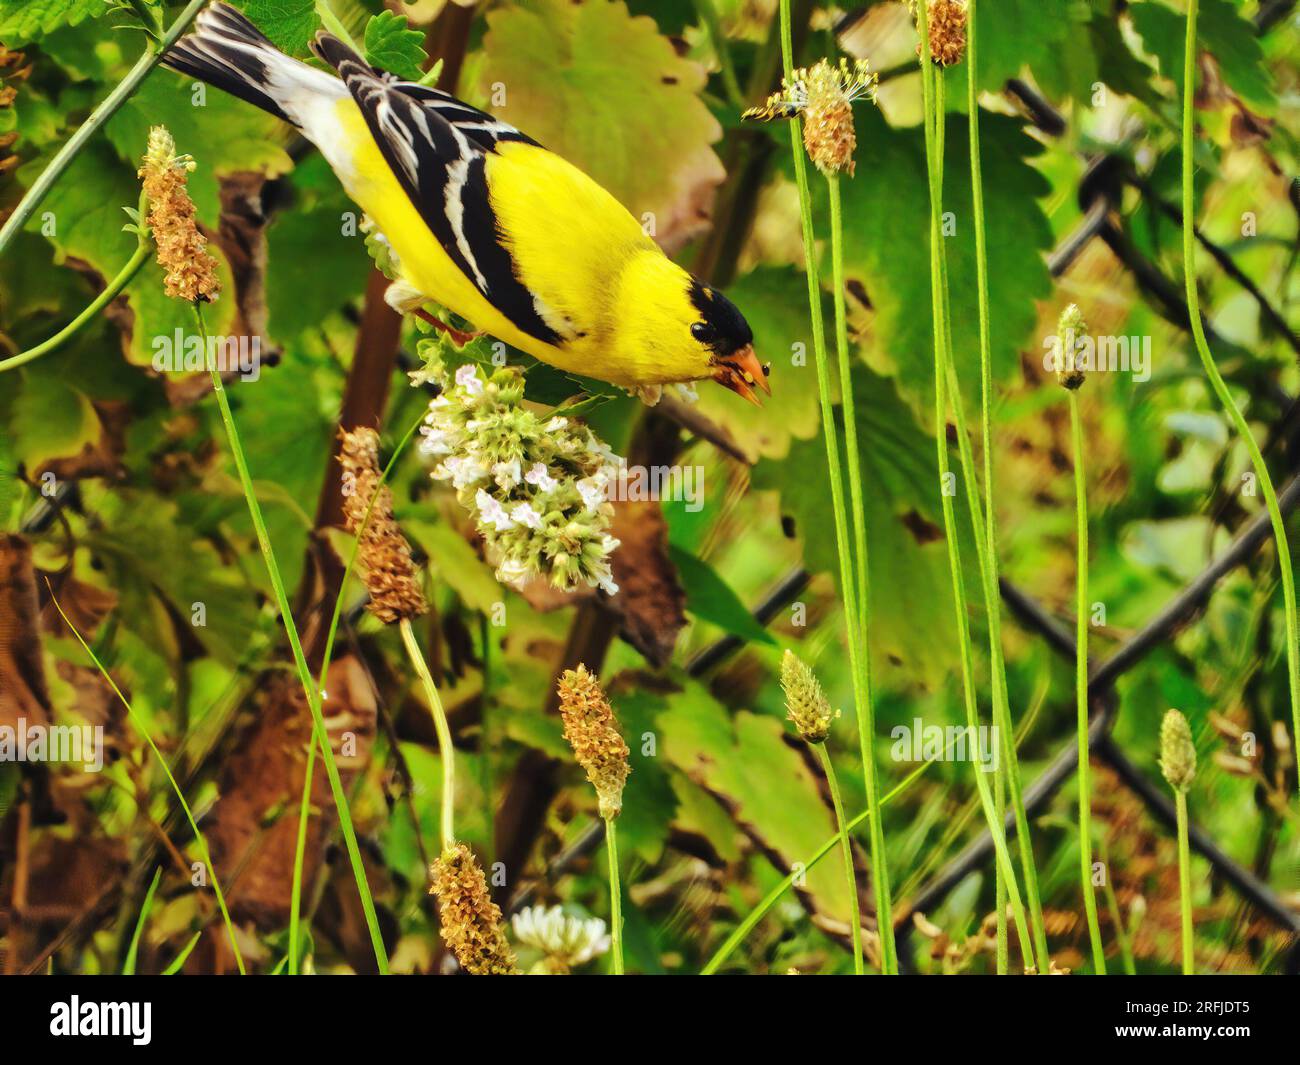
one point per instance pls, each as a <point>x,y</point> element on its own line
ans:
<point>1220,30</point>
<point>649,801</point>
<point>886,222</point>
<point>128,968</point>
<point>26,20</point>
<point>610,94</point>
<point>904,534</point>
<point>766,784</point>
<point>392,45</point>
<point>51,419</point>
<point>711,599</point>
<point>288,23</point>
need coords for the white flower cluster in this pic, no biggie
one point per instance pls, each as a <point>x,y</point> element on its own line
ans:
<point>537,488</point>
<point>566,941</point>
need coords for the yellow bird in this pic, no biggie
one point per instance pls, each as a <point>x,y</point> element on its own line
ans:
<point>485,221</point>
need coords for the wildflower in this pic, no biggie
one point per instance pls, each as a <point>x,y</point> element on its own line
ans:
<point>536,489</point>
<point>471,921</point>
<point>565,940</point>
<point>1071,329</point>
<point>946,20</point>
<point>592,732</point>
<point>805,702</point>
<point>190,270</point>
<point>824,95</point>
<point>385,555</point>
<point>1177,751</point>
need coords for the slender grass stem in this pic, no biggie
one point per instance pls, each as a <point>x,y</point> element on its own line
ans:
<point>199,841</point>
<point>986,426</point>
<point>1081,690</point>
<point>708,12</point>
<point>615,897</point>
<point>110,293</point>
<point>445,748</point>
<point>310,689</point>
<point>123,91</point>
<point>858,652</point>
<point>304,804</point>
<point>1184,881</point>
<point>846,850</point>
<point>933,91</point>
<point>1122,939</point>
<point>132,951</point>
<point>1221,388</point>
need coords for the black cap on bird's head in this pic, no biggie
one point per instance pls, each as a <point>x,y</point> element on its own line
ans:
<point>722,329</point>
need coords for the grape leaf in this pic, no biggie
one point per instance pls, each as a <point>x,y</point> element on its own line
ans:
<point>29,19</point>
<point>609,93</point>
<point>392,45</point>
<point>288,23</point>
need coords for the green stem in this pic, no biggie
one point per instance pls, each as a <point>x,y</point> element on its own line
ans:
<point>445,748</point>
<point>858,653</point>
<point>304,804</point>
<point>615,898</point>
<point>774,896</point>
<point>708,13</point>
<point>485,742</point>
<point>1184,880</point>
<point>846,850</point>
<point>132,951</point>
<point>199,841</point>
<point>114,100</point>
<point>1221,388</point>
<point>332,23</point>
<point>1081,690</point>
<point>1117,919</point>
<point>986,426</point>
<point>932,87</point>
<point>310,689</point>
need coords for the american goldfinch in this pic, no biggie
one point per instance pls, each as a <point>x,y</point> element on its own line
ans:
<point>485,221</point>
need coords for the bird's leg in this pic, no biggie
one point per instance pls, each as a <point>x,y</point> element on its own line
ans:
<point>457,337</point>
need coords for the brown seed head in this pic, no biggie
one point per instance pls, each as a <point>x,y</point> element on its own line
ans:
<point>384,554</point>
<point>1071,329</point>
<point>805,702</point>
<point>191,271</point>
<point>592,732</point>
<point>1177,751</point>
<point>947,23</point>
<point>471,921</point>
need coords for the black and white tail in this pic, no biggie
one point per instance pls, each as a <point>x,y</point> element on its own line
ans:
<point>229,52</point>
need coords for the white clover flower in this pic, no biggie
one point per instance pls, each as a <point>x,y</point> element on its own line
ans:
<point>564,939</point>
<point>492,512</point>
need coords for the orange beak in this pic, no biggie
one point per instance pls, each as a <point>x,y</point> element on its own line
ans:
<point>740,372</point>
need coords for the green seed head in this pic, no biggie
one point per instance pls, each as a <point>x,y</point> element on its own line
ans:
<point>1177,751</point>
<point>1070,329</point>
<point>805,702</point>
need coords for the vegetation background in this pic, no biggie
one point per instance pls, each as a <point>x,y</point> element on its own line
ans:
<point>119,498</point>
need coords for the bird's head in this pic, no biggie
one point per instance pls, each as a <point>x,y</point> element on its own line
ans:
<point>689,331</point>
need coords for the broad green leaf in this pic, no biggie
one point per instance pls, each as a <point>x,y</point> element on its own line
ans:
<point>744,760</point>
<point>26,20</point>
<point>610,94</point>
<point>910,590</point>
<point>649,801</point>
<point>393,46</point>
<point>711,599</point>
<point>288,23</point>
<point>1221,31</point>
<point>51,418</point>
<point>1014,34</point>
<point>886,225</point>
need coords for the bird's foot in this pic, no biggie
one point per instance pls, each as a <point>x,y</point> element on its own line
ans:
<point>457,337</point>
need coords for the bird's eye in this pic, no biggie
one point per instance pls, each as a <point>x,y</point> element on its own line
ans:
<point>701,331</point>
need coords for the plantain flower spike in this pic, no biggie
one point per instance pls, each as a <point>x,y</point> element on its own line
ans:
<point>471,921</point>
<point>1070,330</point>
<point>823,95</point>
<point>946,20</point>
<point>592,732</point>
<point>385,555</point>
<point>190,271</point>
<point>805,703</point>
<point>1177,751</point>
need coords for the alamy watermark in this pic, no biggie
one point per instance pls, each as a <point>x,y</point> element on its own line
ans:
<point>183,352</point>
<point>636,484</point>
<point>1098,354</point>
<point>919,742</point>
<point>72,744</point>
